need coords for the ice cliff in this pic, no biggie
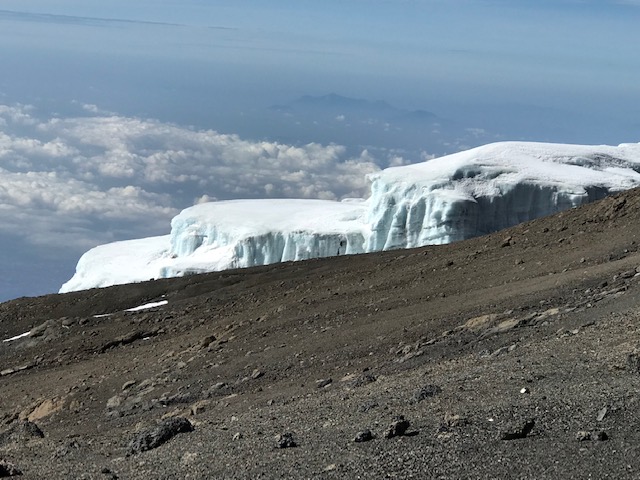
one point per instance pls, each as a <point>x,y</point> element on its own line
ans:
<point>443,200</point>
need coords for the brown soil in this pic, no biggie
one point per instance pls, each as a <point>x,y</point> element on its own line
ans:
<point>500,351</point>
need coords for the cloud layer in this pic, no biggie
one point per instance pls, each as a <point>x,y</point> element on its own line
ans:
<point>76,182</point>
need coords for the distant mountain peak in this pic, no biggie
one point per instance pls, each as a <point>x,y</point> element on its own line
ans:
<point>423,114</point>
<point>340,101</point>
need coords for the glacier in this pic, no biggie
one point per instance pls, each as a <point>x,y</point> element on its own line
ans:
<point>439,201</point>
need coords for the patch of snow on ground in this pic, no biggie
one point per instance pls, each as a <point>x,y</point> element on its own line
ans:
<point>22,335</point>
<point>147,306</point>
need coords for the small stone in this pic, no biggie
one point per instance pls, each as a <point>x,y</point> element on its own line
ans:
<point>66,321</point>
<point>66,449</point>
<point>361,380</point>
<point>633,361</point>
<point>520,433</point>
<point>451,420</point>
<point>363,436</point>
<point>285,440</point>
<point>128,385</point>
<point>330,468</point>
<point>237,436</point>
<point>39,330</point>
<point>206,341</point>
<point>114,402</point>
<point>349,377</point>
<point>426,392</point>
<point>583,436</point>
<point>602,413</point>
<point>23,430</point>
<point>199,407</point>
<point>602,436</point>
<point>524,390</point>
<point>628,274</point>
<point>9,469</point>
<point>398,427</point>
<point>325,382</point>
<point>159,434</point>
<point>256,374</point>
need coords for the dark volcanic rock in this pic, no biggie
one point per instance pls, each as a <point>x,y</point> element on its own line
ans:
<point>127,339</point>
<point>363,379</point>
<point>8,469</point>
<point>426,392</point>
<point>109,474</point>
<point>398,427</point>
<point>160,434</point>
<point>363,436</point>
<point>67,449</point>
<point>602,436</point>
<point>285,440</point>
<point>324,382</point>
<point>585,436</point>
<point>633,361</point>
<point>521,432</point>
<point>21,431</point>
<point>208,340</point>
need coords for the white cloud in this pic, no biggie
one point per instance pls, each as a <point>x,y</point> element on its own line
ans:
<point>91,108</point>
<point>87,180</point>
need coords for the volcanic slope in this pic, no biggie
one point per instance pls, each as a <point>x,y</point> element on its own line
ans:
<point>512,355</point>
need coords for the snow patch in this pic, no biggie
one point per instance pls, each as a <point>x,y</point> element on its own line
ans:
<point>22,335</point>
<point>147,306</point>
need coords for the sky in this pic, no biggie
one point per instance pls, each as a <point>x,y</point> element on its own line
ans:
<point>116,115</point>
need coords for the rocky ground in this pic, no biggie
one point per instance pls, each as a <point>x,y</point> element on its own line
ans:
<point>515,355</point>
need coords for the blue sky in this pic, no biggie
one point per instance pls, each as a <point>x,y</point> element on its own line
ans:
<point>114,114</point>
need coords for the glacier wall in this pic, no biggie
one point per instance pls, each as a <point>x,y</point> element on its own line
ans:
<point>257,250</point>
<point>246,233</point>
<point>440,201</point>
<point>400,218</point>
<point>490,188</point>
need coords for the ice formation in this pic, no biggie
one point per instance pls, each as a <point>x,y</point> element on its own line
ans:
<point>443,200</point>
